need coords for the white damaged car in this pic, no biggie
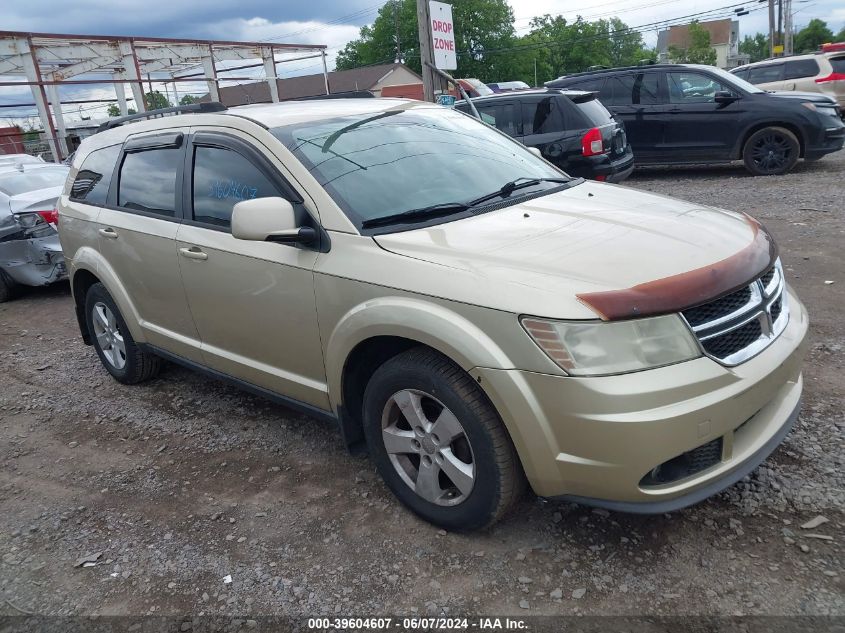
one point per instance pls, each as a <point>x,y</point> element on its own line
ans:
<point>30,253</point>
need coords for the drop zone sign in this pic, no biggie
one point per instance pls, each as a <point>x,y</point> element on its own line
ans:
<point>442,35</point>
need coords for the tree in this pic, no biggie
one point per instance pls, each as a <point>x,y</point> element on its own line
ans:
<point>812,36</point>
<point>757,47</point>
<point>188,100</point>
<point>699,50</point>
<point>483,28</point>
<point>840,37</point>
<point>155,100</point>
<point>114,110</point>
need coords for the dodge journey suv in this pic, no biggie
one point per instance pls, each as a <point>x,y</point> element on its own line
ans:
<point>479,319</point>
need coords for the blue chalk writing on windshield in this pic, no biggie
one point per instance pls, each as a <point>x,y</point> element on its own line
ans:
<point>225,189</point>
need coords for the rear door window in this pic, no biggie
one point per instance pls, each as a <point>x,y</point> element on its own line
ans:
<point>147,181</point>
<point>221,179</point>
<point>91,184</point>
<point>800,68</point>
<point>766,74</point>
<point>542,117</point>
<point>507,116</point>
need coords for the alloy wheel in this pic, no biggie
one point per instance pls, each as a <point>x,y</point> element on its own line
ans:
<point>109,338</point>
<point>428,447</point>
<point>771,152</point>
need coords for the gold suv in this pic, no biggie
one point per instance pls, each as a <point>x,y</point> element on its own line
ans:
<point>476,317</point>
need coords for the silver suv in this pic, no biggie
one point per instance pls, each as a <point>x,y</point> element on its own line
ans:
<point>476,317</point>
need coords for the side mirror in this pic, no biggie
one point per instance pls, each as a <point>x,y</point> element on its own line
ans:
<point>536,152</point>
<point>724,96</point>
<point>269,220</point>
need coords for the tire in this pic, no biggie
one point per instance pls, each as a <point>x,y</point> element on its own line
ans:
<point>771,151</point>
<point>120,355</point>
<point>7,287</point>
<point>477,452</point>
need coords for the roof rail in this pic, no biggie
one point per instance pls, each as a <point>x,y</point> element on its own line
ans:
<point>212,106</point>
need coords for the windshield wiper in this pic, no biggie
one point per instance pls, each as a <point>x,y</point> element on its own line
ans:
<point>450,208</point>
<point>518,183</point>
<point>432,211</point>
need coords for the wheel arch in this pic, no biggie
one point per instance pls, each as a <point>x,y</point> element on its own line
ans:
<point>89,268</point>
<point>795,129</point>
<point>372,333</point>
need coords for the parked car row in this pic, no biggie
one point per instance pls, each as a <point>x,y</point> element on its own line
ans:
<point>672,114</point>
<point>30,253</point>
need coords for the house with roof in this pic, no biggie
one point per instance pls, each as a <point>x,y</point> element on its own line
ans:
<point>366,78</point>
<point>724,38</point>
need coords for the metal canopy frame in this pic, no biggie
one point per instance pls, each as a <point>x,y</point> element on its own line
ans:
<point>45,61</point>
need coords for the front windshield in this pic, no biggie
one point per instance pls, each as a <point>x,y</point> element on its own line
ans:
<point>409,157</point>
<point>732,79</point>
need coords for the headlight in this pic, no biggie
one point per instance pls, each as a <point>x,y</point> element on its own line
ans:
<point>598,348</point>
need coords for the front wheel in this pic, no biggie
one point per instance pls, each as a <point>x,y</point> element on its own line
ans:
<point>771,151</point>
<point>438,442</point>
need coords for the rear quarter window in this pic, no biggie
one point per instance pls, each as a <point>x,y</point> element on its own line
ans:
<point>838,64</point>
<point>594,113</point>
<point>91,184</point>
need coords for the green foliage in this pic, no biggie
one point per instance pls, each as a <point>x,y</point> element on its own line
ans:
<point>114,110</point>
<point>489,49</point>
<point>757,46</point>
<point>812,36</point>
<point>699,50</point>
<point>155,100</point>
<point>840,37</point>
<point>480,26</point>
<point>188,100</point>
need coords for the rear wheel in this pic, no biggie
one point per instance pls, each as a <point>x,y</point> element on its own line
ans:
<point>771,151</point>
<point>118,352</point>
<point>438,442</point>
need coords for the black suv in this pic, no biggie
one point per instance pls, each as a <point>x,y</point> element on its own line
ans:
<point>571,128</point>
<point>686,113</point>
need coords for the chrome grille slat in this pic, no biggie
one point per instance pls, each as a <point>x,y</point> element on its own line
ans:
<point>738,326</point>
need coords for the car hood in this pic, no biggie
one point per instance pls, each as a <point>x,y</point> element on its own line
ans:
<point>815,97</point>
<point>538,256</point>
<point>38,200</point>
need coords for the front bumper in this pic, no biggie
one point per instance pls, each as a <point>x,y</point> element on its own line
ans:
<point>832,141</point>
<point>593,440</point>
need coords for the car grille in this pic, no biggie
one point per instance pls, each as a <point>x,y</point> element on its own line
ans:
<point>737,326</point>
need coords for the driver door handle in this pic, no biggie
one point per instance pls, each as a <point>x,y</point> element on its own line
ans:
<point>109,233</point>
<point>193,253</point>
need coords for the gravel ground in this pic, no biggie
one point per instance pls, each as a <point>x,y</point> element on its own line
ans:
<point>172,487</point>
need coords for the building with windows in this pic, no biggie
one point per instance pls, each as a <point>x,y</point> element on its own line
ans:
<point>724,38</point>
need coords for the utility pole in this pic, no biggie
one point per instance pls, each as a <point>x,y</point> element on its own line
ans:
<point>771,28</point>
<point>396,25</point>
<point>426,56</point>
<point>780,24</point>
<point>787,27</point>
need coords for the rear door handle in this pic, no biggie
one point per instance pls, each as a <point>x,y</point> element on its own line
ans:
<point>109,233</point>
<point>193,253</point>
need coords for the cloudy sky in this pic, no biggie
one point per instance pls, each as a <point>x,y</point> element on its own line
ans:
<point>330,22</point>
